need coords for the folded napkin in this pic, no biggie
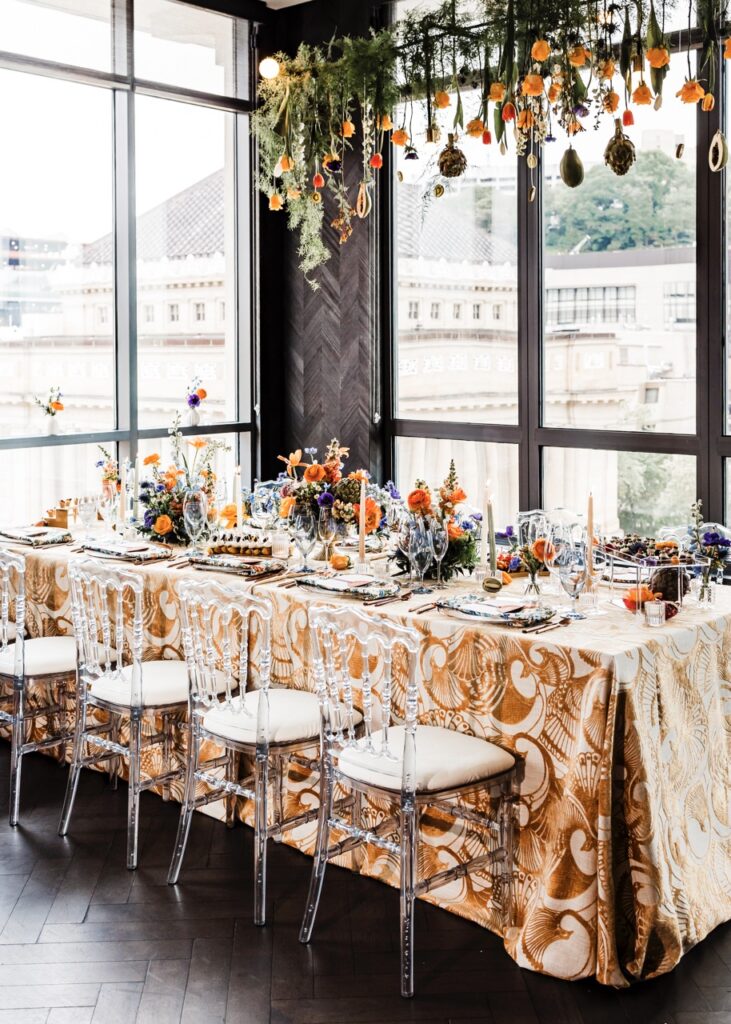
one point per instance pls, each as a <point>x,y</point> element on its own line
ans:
<point>36,536</point>
<point>128,551</point>
<point>348,581</point>
<point>234,564</point>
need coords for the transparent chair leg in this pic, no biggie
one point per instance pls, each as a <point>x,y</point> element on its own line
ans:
<point>168,728</point>
<point>319,862</point>
<point>186,810</point>
<point>408,898</point>
<point>357,822</point>
<point>114,763</point>
<point>133,793</point>
<point>507,840</point>
<point>232,775</point>
<point>16,748</point>
<point>278,794</point>
<point>75,769</point>
<point>261,816</point>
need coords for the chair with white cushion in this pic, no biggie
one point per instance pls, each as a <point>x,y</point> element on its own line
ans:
<point>46,662</point>
<point>413,767</point>
<point>227,639</point>
<point>106,604</point>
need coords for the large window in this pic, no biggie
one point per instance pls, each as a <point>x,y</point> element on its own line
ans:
<point>580,328</point>
<point>124,235</point>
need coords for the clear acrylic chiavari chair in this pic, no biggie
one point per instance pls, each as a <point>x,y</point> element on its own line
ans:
<point>46,662</point>
<point>412,767</point>
<point>106,605</point>
<point>227,639</point>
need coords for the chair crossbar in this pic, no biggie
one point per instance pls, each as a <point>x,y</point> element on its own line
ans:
<point>230,788</point>
<point>162,779</point>
<point>44,744</point>
<point>356,836</point>
<point>110,745</point>
<point>460,871</point>
<point>460,813</point>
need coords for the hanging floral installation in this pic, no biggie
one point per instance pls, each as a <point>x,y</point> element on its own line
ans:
<point>505,73</point>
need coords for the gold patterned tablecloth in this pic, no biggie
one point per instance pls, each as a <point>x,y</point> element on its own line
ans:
<point>624,858</point>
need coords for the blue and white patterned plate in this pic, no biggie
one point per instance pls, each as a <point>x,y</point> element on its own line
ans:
<point>235,564</point>
<point>350,585</point>
<point>500,611</point>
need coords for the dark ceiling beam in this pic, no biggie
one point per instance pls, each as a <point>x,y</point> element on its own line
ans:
<point>252,10</point>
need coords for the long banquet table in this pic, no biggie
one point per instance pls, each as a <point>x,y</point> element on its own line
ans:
<point>624,856</point>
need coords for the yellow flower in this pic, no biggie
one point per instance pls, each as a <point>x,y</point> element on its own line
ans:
<point>658,57</point>
<point>642,95</point>
<point>691,91</point>
<point>540,50</point>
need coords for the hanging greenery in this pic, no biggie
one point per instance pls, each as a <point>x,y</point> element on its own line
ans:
<point>501,72</point>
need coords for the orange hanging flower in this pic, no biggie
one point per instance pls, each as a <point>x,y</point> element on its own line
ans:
<point>151,460</point>
<point>658,57</point>
<point>163,525</point>
<point>400,137</point>
<point>314,473</point>
<point>574,127</point>
<point>554,91</point>
<point>348,129</point>
<point>318,181</point>
<point>275,202</point>
<point>286,162</point>
<point>419,500</point>
<point>607,68</point>
<point>628,118</point>
<point>486,138</point>
<point>532,85</point>
<point>292,461</point>
<point>525,120</point>
<point>578,56</point>
<point>540,50</point>
<point>727,49</point>
<point>497,92</point>
<point>442,100</point>
<point>691,91</point>
<point>376,161</point>
<point>508,112</point>
<point>475,128</point>
<point>642,95</point>
<point>708,102</point>
<point>610,102</point>
<point>385,123</point>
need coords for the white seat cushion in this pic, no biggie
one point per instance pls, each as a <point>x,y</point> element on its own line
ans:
<point>48,655</point>
<point>293,715</point>
<point>445,759</point>
<point>163,682</point>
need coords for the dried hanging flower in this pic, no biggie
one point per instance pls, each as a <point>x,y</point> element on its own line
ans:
<point>286,163</point>
<point>275,201</point>
<point>508,112</point>
<point>708,102</point>
<point>400,137</point>
<point>610,102</point>
<point>486,138</point>
<point>628,118</point>
<point>727,49</point>
<point>293,193</point>
<point>578,56</point>
<point>348,129</point>
<point>318,181</point>
<point>526,120</point>
<point>606,68</point>
<point>532,85</point>
<point>452,161</point>
<point>554,91</point>
<point>376,161</point>
<point>385,123</point>
<point>540,50</point>
<point>691,92</point>
<point>658,57</point>
<point>497,92</point>
<point>442,100</point>
<point>475,128</point>
<point>620,152</point>
<point>642,95</point>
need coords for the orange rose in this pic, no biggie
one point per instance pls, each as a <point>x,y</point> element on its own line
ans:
<point>372,514</point>
<point>475,128</point>
<point>691,92</point>
<point>610,102</point>
<point>202,393</point>
<point>151,460</point>
<point>540,50</point>
<point>314,474</point>
<point>658,57</point>
<point>419,500</point>
<point>454,532</point>
<point>400,137</point>
<point>442,100</point>
<point>578,56</point>
<point>497,92</point>
<point>532,85</point>
<point>285,507</point>
<point>642,95</point>
<point>607,68</point>
<point>163,525</point>
<point>58,406</point>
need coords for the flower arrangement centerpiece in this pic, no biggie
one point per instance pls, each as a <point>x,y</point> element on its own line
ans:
<point>462,529</point>
<point>162,495</point>
<point>529,557</point>
<point>109,467</point>
<point>195,396</point>
<point>314,486</point>
<point>52,406</point>
<point>707,541</point>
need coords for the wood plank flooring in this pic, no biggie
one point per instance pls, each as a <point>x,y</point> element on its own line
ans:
<point>84,940</point>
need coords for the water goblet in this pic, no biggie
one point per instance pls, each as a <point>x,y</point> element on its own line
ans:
<point>88,508</point>
<point>573,572</point>
<point>326,530</point>
<point>439,540</point>
<point>420,556</point>
<point>195,514</point>
<point>304,535</point>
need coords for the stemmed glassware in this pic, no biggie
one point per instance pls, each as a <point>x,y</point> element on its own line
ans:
<point>573,572</point>
<point>109,510</point>
<point>303,523</point>
<point>327,530</point>
<point>195,514</point>
<point>439,540</point>
<point>88,508</point>
<point>420,554</point>
<point>264,510</point>
<point>405,532</point>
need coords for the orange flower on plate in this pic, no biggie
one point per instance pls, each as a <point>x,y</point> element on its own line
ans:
<point>532,85</point>
<point>658,57</point>
<point>441,100</point>
<point>419,500</point>
<point>691,91</point>
<point>610,102</point>
<point>497,92</point>
<point>400,137</point>
<point>152,460</point>
<point>285,507</point>
<point>163,525</point>
<point>293,460</point>
<point>540,50</point>
<point>58,406</point>
<point>642,95</point>
<point>578,56</point>
<point>314,473</point>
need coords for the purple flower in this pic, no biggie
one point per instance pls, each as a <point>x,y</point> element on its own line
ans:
<point>509,532</point>
<point>515,564</point>
<point>711,537</point>
<point>160,488</point>
<point>193,400</point>
<point>100,463</point>
<point>581,110</point>
<point>325,500</point>
<point>393,490</point>
<point>150,518</point>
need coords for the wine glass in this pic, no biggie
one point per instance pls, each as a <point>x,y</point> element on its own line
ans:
<point>88,508</point>
<point>195,514</point>
<point>263,508</point>
<point>304,535</point>
<point>109,509</point>
<point>573,572</point>
<point>326,529</point>
<point>405,531</point>
<point>420,555</point>
<point>439,540</point>
<point>556,534</point>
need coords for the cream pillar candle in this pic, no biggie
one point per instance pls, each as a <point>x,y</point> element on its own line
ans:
<point>483,546</point>
<point>136,489</point>
<point>491,537</point>
<point>236,497</point>
<point>590,534</point>
<point>362,523</point>
<point>123,491</point>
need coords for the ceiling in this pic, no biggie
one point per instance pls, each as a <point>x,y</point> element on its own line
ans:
<point>278,5</point>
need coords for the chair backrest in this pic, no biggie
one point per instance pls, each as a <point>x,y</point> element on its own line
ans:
<point>12,589</point>
<point>222,627</point>
<point>344,636</point>
<point>106,608</point>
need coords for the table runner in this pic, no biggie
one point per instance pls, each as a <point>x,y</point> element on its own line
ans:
<point>624,855</point>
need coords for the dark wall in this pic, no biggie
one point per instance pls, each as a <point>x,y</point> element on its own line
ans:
<point>318,348</point>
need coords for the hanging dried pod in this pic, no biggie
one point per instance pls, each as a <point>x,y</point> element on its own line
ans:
<point>679,150</point>
<point>718,152</point>
<point>452,161</point>
<point>571,168</point>
<point>363,203</point>
<point>433,132</point>
<point>620,152</point>
<point>439,191</point>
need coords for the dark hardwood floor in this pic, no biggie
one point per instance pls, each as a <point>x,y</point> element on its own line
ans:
<point>82,939</point>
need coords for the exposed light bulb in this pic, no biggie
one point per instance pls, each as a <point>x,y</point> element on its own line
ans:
<point>269,67</point>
